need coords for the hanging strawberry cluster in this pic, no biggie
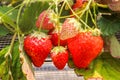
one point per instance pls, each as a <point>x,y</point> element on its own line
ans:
<point>72,38</point>
<point>79,33</point>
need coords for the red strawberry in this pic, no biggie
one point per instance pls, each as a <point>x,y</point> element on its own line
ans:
<point>77,4</point>
<point>37,46</point>
<point>46,20</point>
<point>84,48</point>
<point>59,56</point>
<point>54,36</point>
<point>70,28</point>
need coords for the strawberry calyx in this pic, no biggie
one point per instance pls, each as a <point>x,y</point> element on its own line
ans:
<point>39,35</point>
<point>57,29</point>
<point>75,23</point>
<point>95,32</point>
<point>52,16</point>
<point>58,49</point>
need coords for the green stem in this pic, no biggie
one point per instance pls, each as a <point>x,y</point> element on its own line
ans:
<point>17,22</point>
<point>11,46</point>
<point>86,8</point>
<point>94,11</point>
<point>10,10</point>
<point>8,65</point>
<point>62,17</point>
<point>86,19</point>
<point>62,8</point>
<point>86,26</point>
<point>10,73</point>
<point>91,15</point>
<point>8,27</point>
<point>18,16</point>
<point>102,5</point>
<point>27,2</point>
<point>94,14</point>
<point>58,22</point>
<point>71,9</point>
<point>80,12</point>
<point>77,15</point>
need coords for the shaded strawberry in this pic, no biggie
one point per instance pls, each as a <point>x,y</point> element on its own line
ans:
<point>59,56</point>
<point>77,4</point>
<point>54,36</point>
<point>70,28</point>
<point>37,46</point>
<point>46,20</point>
<point>84,48</point>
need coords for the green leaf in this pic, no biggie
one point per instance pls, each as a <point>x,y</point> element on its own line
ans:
<point>70,63</point>
<point>30,14</point>
<point>109,25</point>
<point>3,31</point>
<point>2,61</point>
<point>115,47</point>
<point>12,14</point>
<point>9,18</point>
<point>14,66</point>
<point>105,67</point>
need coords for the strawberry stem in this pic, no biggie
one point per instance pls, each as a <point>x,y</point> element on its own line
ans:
<point>18,17</point>
<point>94,13</point>
<point>11,46</point>
<point>58,22</point>
<point>8,27</point>
<point>86,8</point>
<point>102,5</point>
<point>71,9</point>
<point>86,20</point>
<point>62,8</point>
<point>77,16</point>
<point>91,15</point>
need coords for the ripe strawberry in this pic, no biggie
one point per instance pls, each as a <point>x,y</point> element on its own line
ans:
<point>54,36</point>
<point>46,20</point>
<point>70,28</point>
<point>37,46</point>
<point>84,48</point>
<point>77,4</point>
<point>59,56</point>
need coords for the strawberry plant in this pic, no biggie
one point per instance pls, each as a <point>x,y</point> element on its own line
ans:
<point>77,33</point>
